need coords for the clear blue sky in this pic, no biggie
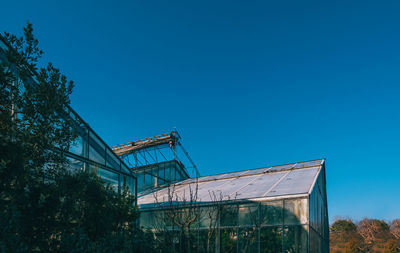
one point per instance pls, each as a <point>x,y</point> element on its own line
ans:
<point>247,83</point>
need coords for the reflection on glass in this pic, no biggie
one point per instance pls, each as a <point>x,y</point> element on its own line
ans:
<point>147,219</point>
<point>208,217</point>
<point>248,214</point>
<point>124,168</point>
<point>77,147</point>
<point>229,215</point>
<point>112,160</point>
<point>75,165</point>
<point>296,211</point>
<point>109,177</point>
<point>271,239</point>
<point>271,213</point>
<point>96,149</point>
<point>228,239</point>
<point>248,241</point>
<point>295,239</point>
<point>130,183</point>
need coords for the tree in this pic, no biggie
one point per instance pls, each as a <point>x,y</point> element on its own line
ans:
<point>179,217</point>
<point>344,237</point>
<point>373,230</point>
<point>343,230</point>
<point>173,225</point>
<point>395,228</point>
<point>43,205</point>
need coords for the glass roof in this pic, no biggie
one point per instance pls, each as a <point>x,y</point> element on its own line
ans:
<point>283,180</point>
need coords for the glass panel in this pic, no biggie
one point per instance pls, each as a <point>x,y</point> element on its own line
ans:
<point>75,165</point>
<point>229,215</point>
<point>207,240</point>
<point>96,149</point>
<point>93,168</point>
<point>130,183</point>
<point>112,160</point>
<point>228,239</point>
<point>271,239</point>
<point>271,213</point>
<point>248,214</point>
<point>147,219</point>
<point>125,168</point>
<point>78,146</point>
<point>208,217</point>
<point>109,178</point>
<point>147,180</point>
<point>161,173</point>
<point>295,239</point>
<point>248,241</point>
<point>168,174</point>
<point>296,211</point>
<point>140,181</point>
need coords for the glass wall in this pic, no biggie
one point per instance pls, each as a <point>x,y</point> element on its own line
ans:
<point>155,175</point>
<point>319,226</point>
<point>274,226</point>
<point>90,153</point>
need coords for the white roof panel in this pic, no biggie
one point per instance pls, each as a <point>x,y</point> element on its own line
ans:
<point>284,180</point>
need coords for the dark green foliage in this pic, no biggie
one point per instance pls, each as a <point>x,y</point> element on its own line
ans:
<point>43,206</point>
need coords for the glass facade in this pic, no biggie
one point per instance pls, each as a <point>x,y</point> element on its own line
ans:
<point>278,210</point>
<point>319,227</point>
<point>159,174</point>
<point>89,152</point>
<point>269,226</point>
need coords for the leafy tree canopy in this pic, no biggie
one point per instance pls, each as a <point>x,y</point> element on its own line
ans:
<point>44,206</point>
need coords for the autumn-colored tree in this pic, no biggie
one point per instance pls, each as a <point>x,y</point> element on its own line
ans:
<point>368,235</point>
<point>373,230</point>
<point>395,228</point>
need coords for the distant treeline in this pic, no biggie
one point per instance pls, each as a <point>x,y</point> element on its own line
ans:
<point>368,235</point>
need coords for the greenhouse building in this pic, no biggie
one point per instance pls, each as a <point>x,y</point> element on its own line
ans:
<point>273,209</point>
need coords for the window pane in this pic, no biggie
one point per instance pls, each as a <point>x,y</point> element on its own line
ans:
<point>208,217</point>
<point>248,241</point>
<point>229,215</point>
<point>295,239</point>
<point>130,183</point>
<point>296,211</point>
<point>271,213</point>
<point>78,146</point>
<point>147,180</point>
<point>96,149</point>
<point>271,239</point>
<point>75,165</point>
<point>228,239</point>
<point>125,168</point>
<point>140,181</point>
<point>147,219</point>
<point>109,178</point>
<point>168,174</point>
<point>248,214</point>
<point>112,160</point>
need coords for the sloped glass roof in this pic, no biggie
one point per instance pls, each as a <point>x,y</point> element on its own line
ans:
<point>277,181</point>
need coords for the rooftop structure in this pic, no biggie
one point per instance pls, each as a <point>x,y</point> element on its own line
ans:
<point>275,182</point>
<point>158,160</point>
<point>273,209</point>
